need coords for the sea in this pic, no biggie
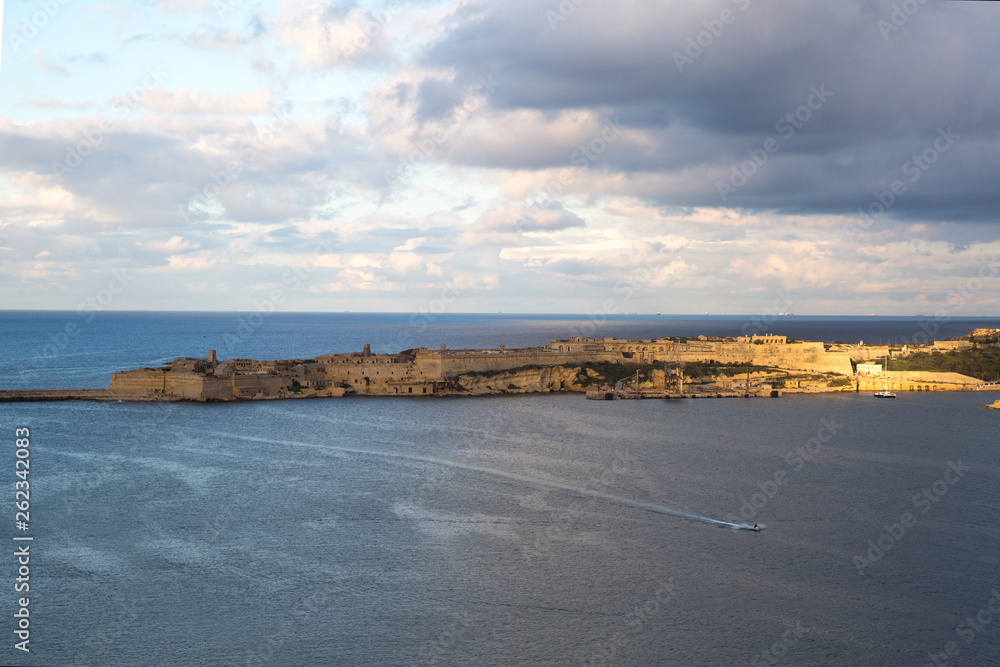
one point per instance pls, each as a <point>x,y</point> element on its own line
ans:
<point>507,530</point>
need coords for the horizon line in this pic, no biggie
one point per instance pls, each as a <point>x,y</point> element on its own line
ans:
<point>777,316</point>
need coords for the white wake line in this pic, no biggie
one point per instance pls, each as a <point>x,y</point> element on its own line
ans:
<point>638,504</point>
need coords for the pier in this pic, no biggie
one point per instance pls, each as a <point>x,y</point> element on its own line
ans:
<point>631,395</point>
<point>26,395</point>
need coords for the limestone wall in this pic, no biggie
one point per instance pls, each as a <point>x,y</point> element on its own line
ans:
<point>806,356</point>
<point>214,388</point>
<point>541,380</point>
<point>868,352</point>
<point>918,381</point>
<point>952,345</point>
<point>379,375</point>
<point>795,356</point>
<point>458,363</point>
<point>184,384</point>
<point>142,381</point>
<point>256,385</point>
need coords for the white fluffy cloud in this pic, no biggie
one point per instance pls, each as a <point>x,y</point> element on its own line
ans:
<point>531,163</point>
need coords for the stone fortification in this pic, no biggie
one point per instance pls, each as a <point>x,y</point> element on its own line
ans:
<point>554,367</point>
<point>525,381</point>
<point>562,365</point>
<point>168,382</point>
<point>767,350</point>
<point>953,345</point>
<point>207,379</point>
<point>917,381</point>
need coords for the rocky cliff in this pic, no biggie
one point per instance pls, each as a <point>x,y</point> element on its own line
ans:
<point>528,381</point>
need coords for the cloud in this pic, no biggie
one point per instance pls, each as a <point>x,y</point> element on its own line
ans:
<point>325,35</point>
<point>505,225</point>
<point>889,98</point>
<point>53,103</point>
<point>39,59</point>
<point>145,171</point>
<point>534,163</point>
<point>190,101</point>
<point>216,39</point>
<point>173,245</point>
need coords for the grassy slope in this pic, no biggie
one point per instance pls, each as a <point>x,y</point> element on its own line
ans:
<point>979,362</point>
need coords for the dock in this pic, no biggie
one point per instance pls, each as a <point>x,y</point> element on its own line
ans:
<point>21,396</point>
<point>631,395</point>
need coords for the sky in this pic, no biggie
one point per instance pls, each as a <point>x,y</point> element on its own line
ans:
<point>535,156</point>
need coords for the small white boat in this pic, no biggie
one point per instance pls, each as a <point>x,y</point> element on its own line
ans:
<point>884,391</point>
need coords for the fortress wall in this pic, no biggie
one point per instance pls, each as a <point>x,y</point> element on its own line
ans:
<point>453,364</point>
<point>273,385</point>
<point>918,380</point>
<point>933,376</point>
<point>141,381</point>
<point>807,357</point>
<point>811,356</point>
<point>218,388</point>
<point>248,386</point>
<point>186,384</point>
<point>311,372</point>
<point>428,362</point>
<point>868,352</point>
<point>950,345</point>
<point>354,374</point>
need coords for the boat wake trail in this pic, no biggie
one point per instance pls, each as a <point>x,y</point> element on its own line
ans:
<point>525,479</point>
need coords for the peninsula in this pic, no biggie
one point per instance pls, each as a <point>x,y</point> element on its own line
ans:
<point>673,366</point>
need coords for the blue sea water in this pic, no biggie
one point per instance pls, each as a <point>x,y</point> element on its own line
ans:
<point>48,349</point>
<point>507,530</point>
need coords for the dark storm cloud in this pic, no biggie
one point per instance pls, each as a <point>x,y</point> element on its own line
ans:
<point>888,92</point>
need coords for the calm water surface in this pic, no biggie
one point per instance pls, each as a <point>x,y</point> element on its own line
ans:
<point>503,531</point>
